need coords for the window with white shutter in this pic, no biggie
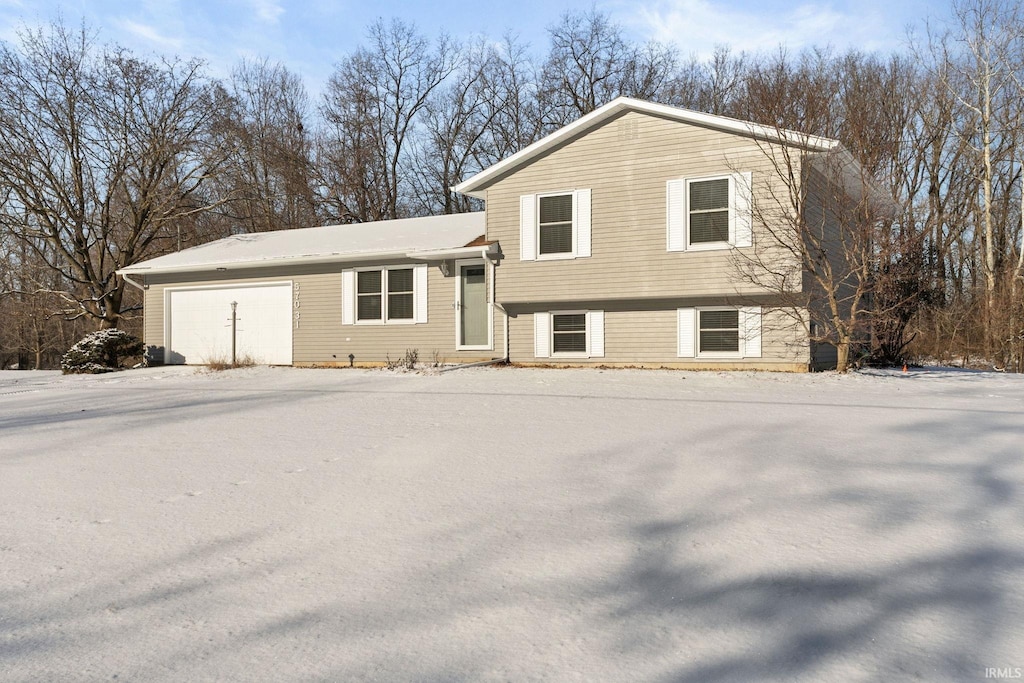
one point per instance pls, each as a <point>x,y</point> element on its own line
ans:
<point>719,332</point>
<point>555,225</point>
<point>707,206</point>
<point>714,212</point>
<point>568,334</point>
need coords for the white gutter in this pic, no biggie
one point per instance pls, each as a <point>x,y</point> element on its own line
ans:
<point>132,282</point>
<point>484,251</point>
<point>264,263</point>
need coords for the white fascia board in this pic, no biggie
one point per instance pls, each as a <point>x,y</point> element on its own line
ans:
<point>484,251</point>
<point>812,142</point>
<point>265,263</point>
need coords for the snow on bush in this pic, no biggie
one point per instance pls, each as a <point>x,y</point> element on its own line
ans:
<point>100,351</point>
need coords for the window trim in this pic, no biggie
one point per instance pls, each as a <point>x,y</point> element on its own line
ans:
<point>730,241</point>
<point>562,255</point>
<point>740,350</point>
<point>587,332</point>
<point>741,213</point>
<point>384,320</point>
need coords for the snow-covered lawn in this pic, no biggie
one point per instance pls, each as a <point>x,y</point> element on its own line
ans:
<point>508,524</point>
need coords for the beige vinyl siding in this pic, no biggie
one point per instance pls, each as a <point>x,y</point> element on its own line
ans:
<point>320,337</point>
<point>627,176</point>
<point>645,334</point>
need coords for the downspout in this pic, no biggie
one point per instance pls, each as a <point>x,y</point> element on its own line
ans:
<point>143,287</point>
<point>495,304</point>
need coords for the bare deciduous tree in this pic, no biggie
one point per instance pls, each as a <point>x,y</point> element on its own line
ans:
<point>268,180</point>
<point>591,62</point>
<point>818,218</point>
<point>103,153</point>
<point>979,62</point>
<point>374,101</point>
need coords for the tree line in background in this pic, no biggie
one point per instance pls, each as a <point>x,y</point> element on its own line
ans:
<point>108,158</point>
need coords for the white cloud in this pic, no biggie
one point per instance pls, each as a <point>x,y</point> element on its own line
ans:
<point>698,26</point>
<point>148,34</point>
<point>268,11</point>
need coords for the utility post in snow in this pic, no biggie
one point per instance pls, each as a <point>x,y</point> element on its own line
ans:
<point>234,331</point>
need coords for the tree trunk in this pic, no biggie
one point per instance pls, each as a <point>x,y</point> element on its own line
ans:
<point>843,356</point>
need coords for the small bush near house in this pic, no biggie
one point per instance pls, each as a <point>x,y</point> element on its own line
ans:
<point>406,362</point>
<point>102,351</point>
<point>218,364</point>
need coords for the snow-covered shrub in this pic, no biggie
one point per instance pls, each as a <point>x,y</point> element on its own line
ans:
<point>101,351</point>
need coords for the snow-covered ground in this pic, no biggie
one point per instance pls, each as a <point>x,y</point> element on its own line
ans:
<point>507,524</point>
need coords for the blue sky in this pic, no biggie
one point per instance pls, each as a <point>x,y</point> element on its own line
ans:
<point>311,36</point>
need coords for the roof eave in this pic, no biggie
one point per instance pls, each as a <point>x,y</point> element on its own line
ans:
<point>263,263</point>
<point>472,186</point>
<point>480,251</point>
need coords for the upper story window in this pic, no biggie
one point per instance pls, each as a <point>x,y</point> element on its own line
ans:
<point>708,211</point>
<point>714,212</point>
<point>554,228</point>
<point>554,225</point>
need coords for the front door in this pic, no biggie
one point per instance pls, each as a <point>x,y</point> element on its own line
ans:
<point>473,320</point>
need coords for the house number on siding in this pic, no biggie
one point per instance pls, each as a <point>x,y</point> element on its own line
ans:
<point>296,303</point>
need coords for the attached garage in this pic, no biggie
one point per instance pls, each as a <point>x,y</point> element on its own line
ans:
<point>198,328</point>
<point>360,294</point>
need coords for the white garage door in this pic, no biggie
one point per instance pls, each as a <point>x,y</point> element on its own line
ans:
<point>198,324</point>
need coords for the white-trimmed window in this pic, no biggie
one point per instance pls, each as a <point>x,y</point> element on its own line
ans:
<point>384,295</point>
<point>719,332</point>
<point>707,204</point>
<point>400,294</point>
<point>554,225</point>
<point>568,334</point>
<point>369,299</point>
<point>713,212</point>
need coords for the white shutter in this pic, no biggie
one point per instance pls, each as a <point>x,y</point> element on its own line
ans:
<point>542,335</point>
<point>742,214</point>
<point>675,212</point>
<point>528,227</point>
<point>687,332</point>
<point>750,329</point>
<point>582,207</point>
<point>348,297</point>
<point>419,273</point>
<point>595,326</point>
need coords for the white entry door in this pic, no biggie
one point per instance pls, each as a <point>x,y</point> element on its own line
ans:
<point>198,324</point>
<point>473,319</point>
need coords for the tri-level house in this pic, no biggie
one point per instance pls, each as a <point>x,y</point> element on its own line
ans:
<point>617,240</point>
